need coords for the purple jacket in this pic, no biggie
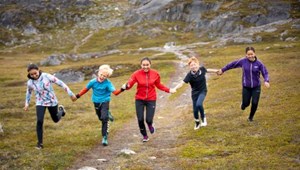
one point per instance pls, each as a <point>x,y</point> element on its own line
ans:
<point>251,71</point>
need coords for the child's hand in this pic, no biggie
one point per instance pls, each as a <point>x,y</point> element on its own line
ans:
<point>173,90</point>
<point>26,107</point>
<point>73,98</point>
<point>267,84</point>
<point>124,87</point>
<point>220,72</point>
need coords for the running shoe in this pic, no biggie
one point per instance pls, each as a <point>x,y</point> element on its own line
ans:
<point>39,146</point>
<point>197,125</point>
<point>62,110</point>
<point>104,141</point>
<point>203,123</point>
<point>145,139</point>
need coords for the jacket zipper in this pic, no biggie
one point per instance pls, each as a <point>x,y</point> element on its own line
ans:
<point>251,75</point>
<point>147,85</point>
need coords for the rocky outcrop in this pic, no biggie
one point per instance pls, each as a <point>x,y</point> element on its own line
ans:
<point>213,19</point>
<point>57,59</point>
<point>195,14</point>
<point>29,17</point>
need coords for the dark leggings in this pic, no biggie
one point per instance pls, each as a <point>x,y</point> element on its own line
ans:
<point>102,113</point>
<point>40,113</point>
<point>198,105</point>
<point>249,93</point>
<point>150,109</point>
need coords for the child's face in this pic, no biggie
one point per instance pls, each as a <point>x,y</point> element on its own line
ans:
<point>33,73</point>
<point>194,66</point>
<point>145,65</point>
<point>250,55</point>
<point>102,76</point>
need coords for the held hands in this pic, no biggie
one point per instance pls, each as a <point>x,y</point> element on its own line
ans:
<point>124,87</point>
<point>219,72</point>
<point>73,98</point>
<point>173,90</point>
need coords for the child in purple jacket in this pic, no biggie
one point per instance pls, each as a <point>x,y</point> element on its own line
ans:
<point>252,68</point>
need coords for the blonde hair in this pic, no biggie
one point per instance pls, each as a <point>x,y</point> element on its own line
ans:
<point>193,59</point>
<point>105,69</point>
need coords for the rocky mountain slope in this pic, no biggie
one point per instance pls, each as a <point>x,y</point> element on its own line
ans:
<point>28,21</point>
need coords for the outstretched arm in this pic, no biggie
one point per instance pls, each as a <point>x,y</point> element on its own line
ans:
<point>117,92</point>
<point>179,85</point>
<point>212,70</point>
<point>82,92</point>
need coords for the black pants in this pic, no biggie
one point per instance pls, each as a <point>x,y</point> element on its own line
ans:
<point>40,113</point>
<point>249,93</point>
<point>102,113</point>
<point>150,109</point>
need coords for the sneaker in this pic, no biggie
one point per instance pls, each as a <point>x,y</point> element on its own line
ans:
<point>203,123</point>
<point>62,109</point>
<point>110,117</point>
<point>250,120</point>
<point>104,141</point>
<point>145,139</point>
<point>197,125</point>
<point>151,129</point>
<point>39,146</point>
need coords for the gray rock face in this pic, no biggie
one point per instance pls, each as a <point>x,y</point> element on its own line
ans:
<point>57,59</point>
<point>29,17</point>
<point>212,18</point>
<point>193,13</point>
<point>70,76</point>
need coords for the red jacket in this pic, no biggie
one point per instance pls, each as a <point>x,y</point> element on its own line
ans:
<point>146,82</point>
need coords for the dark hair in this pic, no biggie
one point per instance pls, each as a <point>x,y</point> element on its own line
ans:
<point>32,66</point>
<point>146,58</point>
<point>250,48</point>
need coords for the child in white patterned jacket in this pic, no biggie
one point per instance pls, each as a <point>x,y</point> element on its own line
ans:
<point>41,84</point>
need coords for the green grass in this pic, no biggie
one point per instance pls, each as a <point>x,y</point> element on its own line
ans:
<point>78,132</point>
<point>229,141</point>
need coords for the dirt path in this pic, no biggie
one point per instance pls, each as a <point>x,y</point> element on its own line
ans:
<point>158,152</point>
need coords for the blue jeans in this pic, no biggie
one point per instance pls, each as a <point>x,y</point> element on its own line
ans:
<point>198,105</point>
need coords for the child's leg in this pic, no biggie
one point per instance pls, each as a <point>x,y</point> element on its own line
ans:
<point>54,113</point>
<point>150,111</point>
<point>40,113</point>
<point>195,109</point>
<point>199,104</point>
<point>255,99</point>
<point>195,112</point>
<point>246,97</point>
<point>104,117</point>
<point>139,107</point>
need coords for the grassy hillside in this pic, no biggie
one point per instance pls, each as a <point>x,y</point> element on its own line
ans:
<point>229,141</point>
